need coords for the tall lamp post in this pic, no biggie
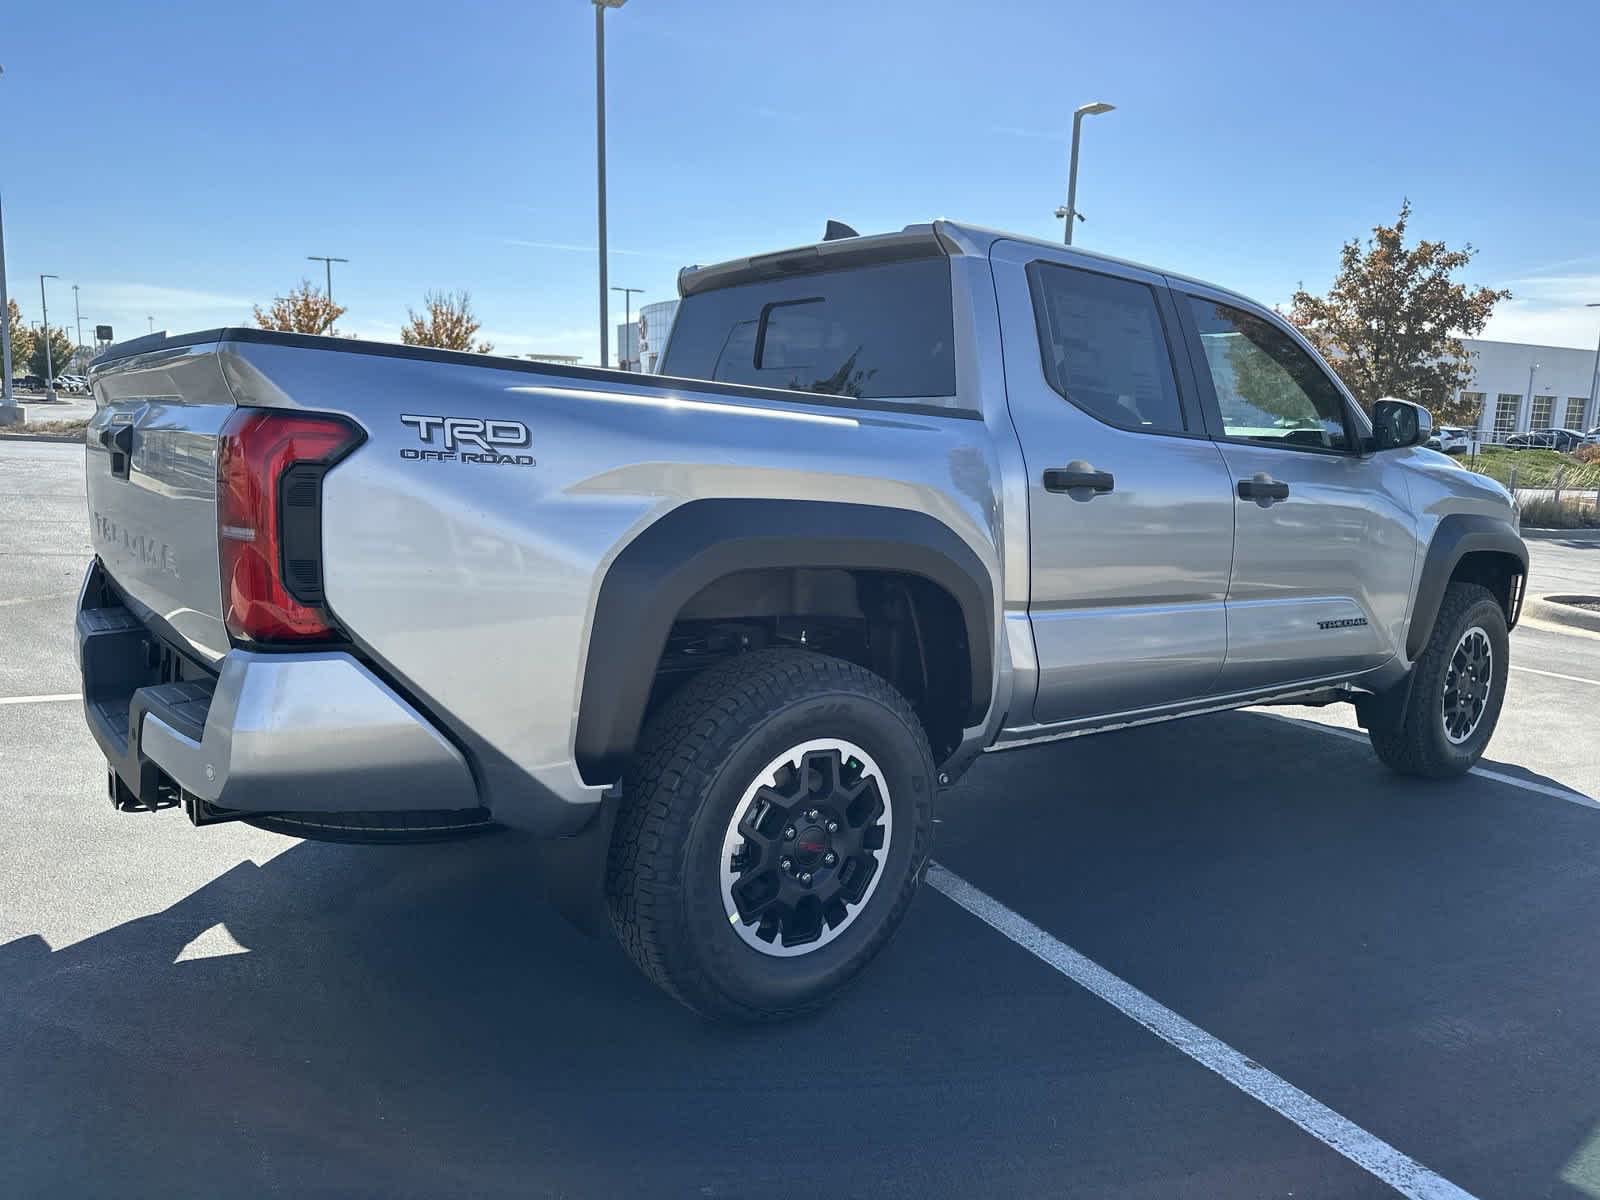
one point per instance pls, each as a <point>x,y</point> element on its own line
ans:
<point>327,262</point>
<point>49,361</point>
<point>10,410</point>
<point>1070,212</point>
<point>627,320</point>
<point>1594,383</point>
<point>600,7</point>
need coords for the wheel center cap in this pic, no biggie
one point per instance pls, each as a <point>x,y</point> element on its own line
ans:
<point>810,844</point>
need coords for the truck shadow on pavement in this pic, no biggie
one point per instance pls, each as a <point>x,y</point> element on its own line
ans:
<point>418,1021</point>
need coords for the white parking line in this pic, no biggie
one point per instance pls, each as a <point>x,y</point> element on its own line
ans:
<point>1527,785</point>
<point>1366,1150</point>
<point>1557,675</point>
<point>39,699</point>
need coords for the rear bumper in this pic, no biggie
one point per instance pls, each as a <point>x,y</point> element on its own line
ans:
<point>313,732</point>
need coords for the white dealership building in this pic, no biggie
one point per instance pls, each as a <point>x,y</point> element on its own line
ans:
<point>1517,387</point>
<point>640,342</point>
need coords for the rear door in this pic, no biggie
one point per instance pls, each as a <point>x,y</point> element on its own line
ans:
<point>151,469</point>
<point>1130,514</point>
<point>1324,542</point>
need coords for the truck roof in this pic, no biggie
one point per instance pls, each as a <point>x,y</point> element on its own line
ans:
<point>940,236</point>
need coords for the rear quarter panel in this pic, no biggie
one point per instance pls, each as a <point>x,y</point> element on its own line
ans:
<point>475,583</point>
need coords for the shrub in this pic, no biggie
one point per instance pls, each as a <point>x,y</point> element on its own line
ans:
<point>1587,454</point>
<point>1545,513</point>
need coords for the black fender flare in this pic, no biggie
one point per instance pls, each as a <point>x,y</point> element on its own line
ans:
<point>1458,535</point>
<point>702,541</point>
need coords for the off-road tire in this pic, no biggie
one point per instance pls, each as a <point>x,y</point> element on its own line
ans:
<point>695,760</point>
<point>1412,740</point>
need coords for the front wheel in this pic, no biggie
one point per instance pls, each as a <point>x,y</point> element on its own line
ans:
<point>1457,688</point>
<point>772,833</point>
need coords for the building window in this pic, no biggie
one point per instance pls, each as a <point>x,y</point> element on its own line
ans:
<point>1575,407</point>
<point>1472,402</point>
<point>1543,408</point>
<point>1505,414</point>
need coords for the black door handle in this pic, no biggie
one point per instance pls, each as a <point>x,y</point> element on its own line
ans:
<point>1078,476</point>
<point>1263,488</point>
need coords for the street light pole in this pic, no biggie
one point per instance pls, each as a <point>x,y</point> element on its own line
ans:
<point>10,411</point>
<point>1594,384</point>
<point>327,262</point>
<point>627,320</point>
<point>1070,212</point>
<point>77,315</point>
<point>152,322</point>
<point>600,7</point>
<point>49,360</point>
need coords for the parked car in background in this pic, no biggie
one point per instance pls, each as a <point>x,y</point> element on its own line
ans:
<point>1452,439</point>
<point>1592,438</point>
<point>1565,440</point>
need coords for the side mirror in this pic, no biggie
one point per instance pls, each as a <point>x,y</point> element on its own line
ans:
<point>1399,423</point>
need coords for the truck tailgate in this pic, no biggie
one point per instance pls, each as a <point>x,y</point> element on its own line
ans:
<point>151,469</point>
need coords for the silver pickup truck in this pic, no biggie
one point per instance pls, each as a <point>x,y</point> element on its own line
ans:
<point>721,635</point>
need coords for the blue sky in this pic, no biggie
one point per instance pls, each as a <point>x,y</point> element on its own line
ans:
<point>198,152</point>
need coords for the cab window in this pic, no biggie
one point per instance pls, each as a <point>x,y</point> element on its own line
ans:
<point>1268,389</point>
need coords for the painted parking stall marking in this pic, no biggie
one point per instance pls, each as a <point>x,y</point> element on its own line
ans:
<point>1527,785</point>
<point>1366,1150</point>
<point>40,699</point>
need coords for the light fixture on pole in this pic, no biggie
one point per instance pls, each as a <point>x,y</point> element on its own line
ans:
<point>600,7</point>
<point>1070,211</point>
<point>49,360</point>
<point>627,321</point>
<point>327,261</point>
<point>152,322</point>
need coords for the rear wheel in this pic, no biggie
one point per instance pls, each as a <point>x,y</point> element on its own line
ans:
<point>1457,688</point>
<point>771,835</point>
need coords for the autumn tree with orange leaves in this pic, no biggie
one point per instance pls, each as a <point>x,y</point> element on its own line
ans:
<point>448,324</point>
<point>304,310</point>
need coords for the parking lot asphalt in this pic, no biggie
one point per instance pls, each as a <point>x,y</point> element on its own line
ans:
<point>201,1011</point>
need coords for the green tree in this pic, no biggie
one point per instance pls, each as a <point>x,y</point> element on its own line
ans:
<point>1391,323</point>
<point>304,310</point>
<point>21,339</point>
<point>60,352</point>
<point>448,324</point>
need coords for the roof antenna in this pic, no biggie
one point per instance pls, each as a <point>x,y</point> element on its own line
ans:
<point>836,230</point>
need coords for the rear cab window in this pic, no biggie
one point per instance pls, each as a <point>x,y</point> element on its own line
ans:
<point>882,331</point>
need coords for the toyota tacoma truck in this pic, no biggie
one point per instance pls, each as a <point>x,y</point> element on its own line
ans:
<point>720,636</point>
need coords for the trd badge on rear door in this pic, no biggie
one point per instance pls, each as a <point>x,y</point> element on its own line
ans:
<point>490,440</point>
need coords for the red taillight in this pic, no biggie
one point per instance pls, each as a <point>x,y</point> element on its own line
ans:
<point>257,446</point>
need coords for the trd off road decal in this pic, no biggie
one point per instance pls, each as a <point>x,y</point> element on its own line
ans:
<point>468,440</point>
<point>1343,623</point>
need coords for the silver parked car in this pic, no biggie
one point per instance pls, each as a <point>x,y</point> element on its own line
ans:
<point>721,635</point>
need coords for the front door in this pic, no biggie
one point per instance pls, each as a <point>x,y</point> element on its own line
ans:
<point>1324,541</point>
<point>1130,509</point>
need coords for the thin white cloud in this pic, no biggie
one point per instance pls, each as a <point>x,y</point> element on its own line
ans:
<point>155,297</point>
<point>1548,310</point>
<point>581,249</point>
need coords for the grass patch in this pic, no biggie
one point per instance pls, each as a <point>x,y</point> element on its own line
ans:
<point>48,429</point>
<point>1545,513</point>
<point>1535,468</point>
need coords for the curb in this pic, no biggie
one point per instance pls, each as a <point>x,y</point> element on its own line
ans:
<point>1570,535</point>
<point>53,438</point>
<point>1551,609</point>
